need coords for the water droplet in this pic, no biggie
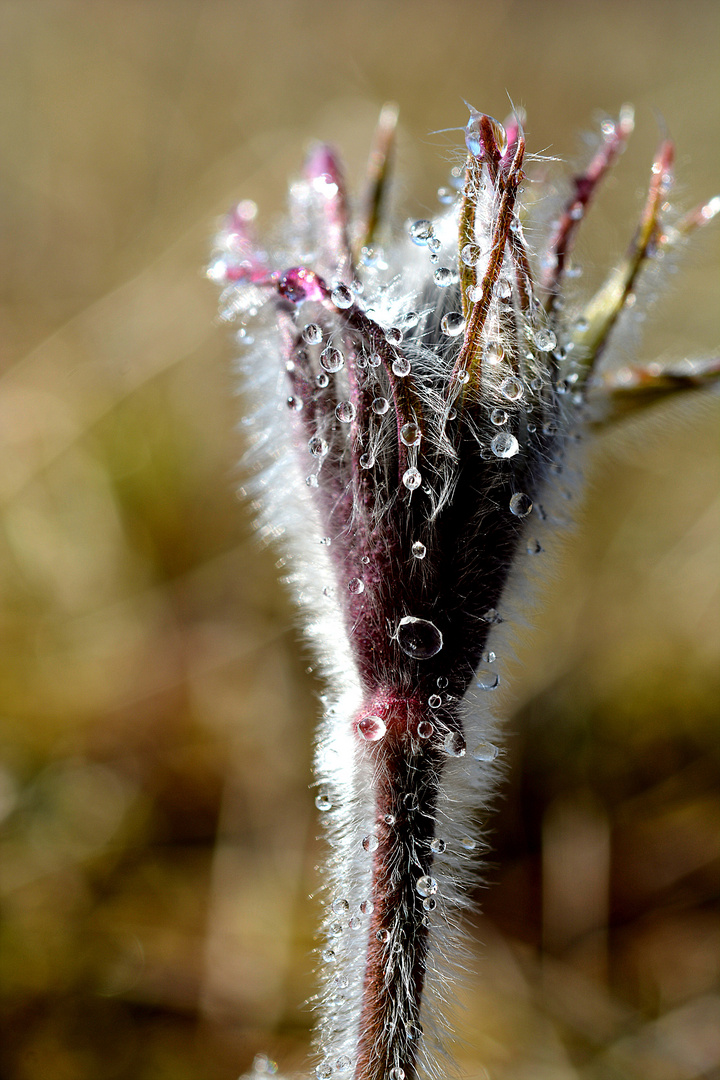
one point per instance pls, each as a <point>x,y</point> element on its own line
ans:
<point>418,638</point>
<point>393,335</point>
<point>468,843</point>
<point>498,417</point>
<point>326,541</point>
<point>452,324</point>
<point>331,359</point>
<point>419,550</point>
<point>367,461</point>
<point>409,319</point>
<point>425,729</point>
<point>317,446</point>
<point>341,296</point>
<point>544,339</point>
<point>412,478</point>
<point>328,955</point>
<point>487,680</point>
<point>485,751</point>
<point>474,139</point>
<point>521,504</point>
<point>324,1070</point>
<point>550,428</point>
<point>356,586</point>
<point>342,1064</point>
<point>504,289</point>
<point>401,366</point>
<point>504,445</point>
<point>442,682</point>
<point>335,929</point>
<point>295,404</point>
<point>426,885</point>
<point>494,353</point>
<point>475,294</point>
<point>533,547</point>
<point>367,907</point>
<point>430,903</point>
<point>340,906</point>
<point>470,254</point>
<point>410,801</point>
<point>463,376</point>
<point>372,728</point>
<point>312,333</point>
<point>511,388</point>
<point>434,246</point>
<point>454,744</point>
<point>389,819</point>
<point>370,842</point>
<point>434,701</point>
<point>345,412</point>
<point>322,380</point>
<point>374,360</point>
<point>491,616</point>
<point>380,406</point>
<point>396,1073</point>
<point>488,657</point>
<point>421,231</point>
<point>323,801</point>
<point>383,935</point>
<point>437,846</point>
<point>410,434</point>
<point>443,277</point>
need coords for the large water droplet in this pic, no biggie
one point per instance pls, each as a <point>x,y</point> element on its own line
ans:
<point>494,353</point>
<point>452,324</point>
<point>418,638</point>
<point>421,231</point>
<point>454,744</point>
<point>485,751</point>
<point>331,359</point>
<point>317,446</point>
<point>340,906</point>
<point>425,729</point>
<point>498,417</point>
<point>370,842</point>
<point>426,885</point>
<point>504,445</point>
<point>380,406</point>
<point>412,478</point>
<point>470,254</point>
<point>324,1070</point>
<point>410,434</point>
<point>511,388</point>
<point>474,139</point>
<point>383,935</point>
<point>341,296</point>
<point>367,461</point>
<point>443,277</point>
<point>437,846</point>
<point>356,586</point>
<point>521,504</point>
<point>401,366</point>
<point>487,680</point>
<point>312,333</point>
<point>323,801</point>
<point>372,728</point>
<point>345,412</point>
<point>434,701</point>
<point>419,550</point>
<point>544,339</point>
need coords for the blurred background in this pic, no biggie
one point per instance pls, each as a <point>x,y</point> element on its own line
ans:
<point>157,833</point>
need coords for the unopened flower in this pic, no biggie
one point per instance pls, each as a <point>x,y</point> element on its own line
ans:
<point>414,399</point>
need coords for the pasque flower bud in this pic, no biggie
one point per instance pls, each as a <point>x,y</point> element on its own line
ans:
<point>413,400</point>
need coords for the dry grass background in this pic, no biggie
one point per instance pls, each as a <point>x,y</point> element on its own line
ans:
<point>157,835</point>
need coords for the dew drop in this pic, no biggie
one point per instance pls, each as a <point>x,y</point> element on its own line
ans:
<point>295,404</point>
<point>335,929</point>
<point>434,701</point>
<point>488,657</point>
<point>342,1064</point>
<point>372,728</point>
<point>393,335</point>
<point>494,353</point>
<point>389,819</point>
<point>533,547</point>
<point>312,333</point>
<point>380,406</point>
<point>374,360</point>
<point>331,359</point>
<point>412,478</point>
<point>383,935</point>
<point>409,319</point>
<point>419,550</point>
<point>322,380</point>
<point>504,289</point>
<point>430,903</point>
<point>491,616</point>
<point>356,586</point>
<point>511,388</point>
<point>498,417</point>
<point>410,435</point>
<point>443,277</point>
<point>323,801</point>
<point>345,412</point>
<point>396,1073</point>
<point>328,955</point>
<point>367,907</point>
<point>340,906</point>
<point>544,339</point>
<point>434,246</point>
<point>401,366</point>
<point>317,447</point>
<point>370,256</point>
<point>487,680</point>
<point>470,254</point>
<point>437,846</point>
<point>324,1070</point>
<point>475,293</point>
<point>370,842</point>
<point>425,729</point>
<point>326,541</point>
<point>452,324</point>
<point>367,461</point>
<point>521,504</point>
<point>454,744</point>
<point>418,638</point>
<point>421,231</point>
<point>504,445</point>
<point>468,843</point>
<point>341,296</point>
<point>485,751</point>
<point>581,325</point>
<point>426,885</point>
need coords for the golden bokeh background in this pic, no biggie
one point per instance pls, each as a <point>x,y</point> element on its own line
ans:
<point>157,833</point>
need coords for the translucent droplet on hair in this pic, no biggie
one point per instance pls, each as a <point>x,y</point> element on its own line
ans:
<point>372,728</point>
<point>418,638</point>
<point>485,751</point>
<point>419,550</point>
<point>345,412</point>
<point>452,324</point>
<point>410,434</point>
<point>426,885</point>
<point>454,744</point>
<point>412,478</point>
<point>356,586</point>
<point>312,334</point>
<point>341,296</point>
<point>331,359</point>
<point>504,445</point>
<point>520,504</point>
<point>437,846</point>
